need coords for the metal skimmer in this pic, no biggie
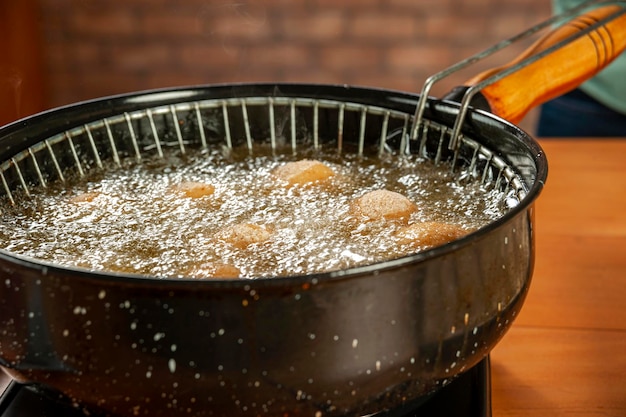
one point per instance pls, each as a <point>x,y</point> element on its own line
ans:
<point>288,123</point>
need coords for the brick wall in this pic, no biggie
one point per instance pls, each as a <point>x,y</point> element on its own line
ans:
<point>21,60</point>
<point>96,48</point>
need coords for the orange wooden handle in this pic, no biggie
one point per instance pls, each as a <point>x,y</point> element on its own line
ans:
<point>558,72</point>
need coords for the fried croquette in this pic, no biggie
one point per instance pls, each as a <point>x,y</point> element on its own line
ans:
<point>194,189</point>
<point>383,205</point>
<point>302,172</point>
<point>244,234</point>
<point>429,234</point>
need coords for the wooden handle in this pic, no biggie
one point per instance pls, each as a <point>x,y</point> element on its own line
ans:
<point>558,72</point>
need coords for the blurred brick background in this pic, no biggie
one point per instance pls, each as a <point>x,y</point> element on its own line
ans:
<point>95,48</point>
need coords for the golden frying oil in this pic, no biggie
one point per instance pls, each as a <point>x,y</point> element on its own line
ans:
<point>131,219</point>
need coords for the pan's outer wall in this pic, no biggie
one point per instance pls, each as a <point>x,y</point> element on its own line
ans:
<point>335,344</point>
<point>352,344</point>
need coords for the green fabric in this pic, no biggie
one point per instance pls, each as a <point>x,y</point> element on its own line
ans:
<point>609,86</point>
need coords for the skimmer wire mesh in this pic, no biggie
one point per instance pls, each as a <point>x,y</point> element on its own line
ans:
<point>286,123</point>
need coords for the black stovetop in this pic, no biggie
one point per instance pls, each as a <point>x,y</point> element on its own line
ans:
<point>467,396</point>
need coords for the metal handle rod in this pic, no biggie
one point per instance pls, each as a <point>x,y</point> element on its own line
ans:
<point>471,91</point>
<point>430,81</point>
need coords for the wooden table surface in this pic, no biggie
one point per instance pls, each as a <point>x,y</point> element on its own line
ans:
<point>566,353</point>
